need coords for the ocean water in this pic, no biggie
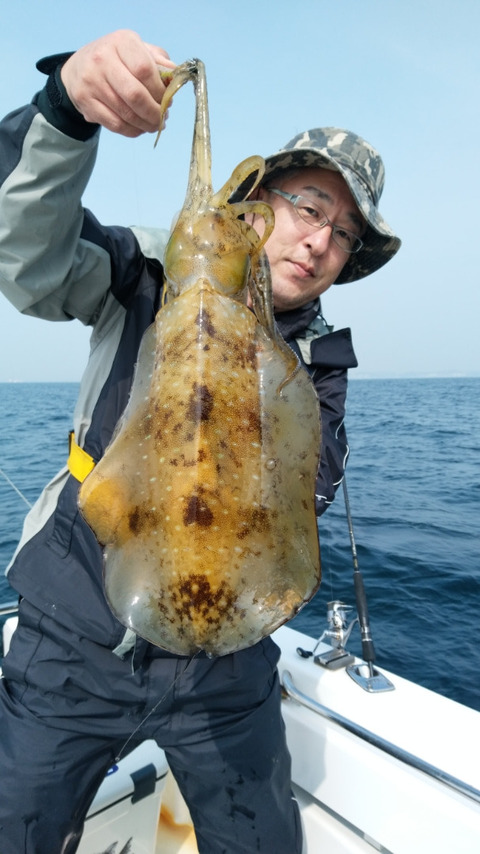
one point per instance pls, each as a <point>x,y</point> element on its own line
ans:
<point>414,486</point>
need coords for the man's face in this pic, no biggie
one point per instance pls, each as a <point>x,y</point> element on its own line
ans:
<point>304,260</point>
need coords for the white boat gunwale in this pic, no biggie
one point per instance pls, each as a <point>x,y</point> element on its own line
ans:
<point>377,741</point>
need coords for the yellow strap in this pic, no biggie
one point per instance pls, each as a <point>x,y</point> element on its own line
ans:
<point>79,462</point>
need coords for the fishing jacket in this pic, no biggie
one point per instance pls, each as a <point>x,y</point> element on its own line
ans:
<point>57,262</point>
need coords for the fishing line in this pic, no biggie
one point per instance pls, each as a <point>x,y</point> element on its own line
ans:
<point>155,707</point>
<point>11,483</point>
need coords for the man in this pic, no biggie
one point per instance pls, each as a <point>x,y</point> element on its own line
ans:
<point>76,686</point>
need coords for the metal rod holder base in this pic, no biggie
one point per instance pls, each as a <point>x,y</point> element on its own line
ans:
<point>369,678</point>
<point>334,659</point>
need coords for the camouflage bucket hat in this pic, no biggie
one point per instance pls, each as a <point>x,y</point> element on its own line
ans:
<point>362,169</point>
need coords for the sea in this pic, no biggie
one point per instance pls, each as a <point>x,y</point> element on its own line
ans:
<point>413,481</point>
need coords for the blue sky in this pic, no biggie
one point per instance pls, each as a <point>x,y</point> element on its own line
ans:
<point>405,74</point>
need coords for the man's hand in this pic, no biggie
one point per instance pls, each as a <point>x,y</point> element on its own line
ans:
<point>114,82</point>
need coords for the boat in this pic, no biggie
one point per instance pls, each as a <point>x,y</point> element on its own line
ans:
<point>379,763</point>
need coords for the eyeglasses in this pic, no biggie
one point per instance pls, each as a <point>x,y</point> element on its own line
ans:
<point>314,216</point>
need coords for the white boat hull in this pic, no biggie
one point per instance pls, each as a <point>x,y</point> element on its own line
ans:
<point>378,800</point>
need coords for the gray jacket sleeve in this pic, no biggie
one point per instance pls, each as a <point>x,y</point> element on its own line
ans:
<point>45,261</point>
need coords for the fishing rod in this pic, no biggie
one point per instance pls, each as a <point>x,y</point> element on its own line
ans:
<point>368,649</point>
<point>338,633</point>
<point>365,674</point>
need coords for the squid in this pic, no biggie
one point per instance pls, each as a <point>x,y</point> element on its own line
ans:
<point>204,499</point>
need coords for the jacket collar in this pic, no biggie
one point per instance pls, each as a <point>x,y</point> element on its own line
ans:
<point>291,323</point>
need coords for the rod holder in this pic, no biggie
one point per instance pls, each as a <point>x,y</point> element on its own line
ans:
<point>369,678</point>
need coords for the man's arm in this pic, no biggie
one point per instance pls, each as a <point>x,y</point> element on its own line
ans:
<point>332,355</point>
<point>332,389</point>
<point>49,265</point>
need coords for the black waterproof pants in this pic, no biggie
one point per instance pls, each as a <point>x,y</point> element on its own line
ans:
<point>68,707</point>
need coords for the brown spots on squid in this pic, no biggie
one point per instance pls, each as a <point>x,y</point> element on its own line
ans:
<point>204,322</point>
<point>197,511</point>
<point>194,597</point>
<point>239,353</point>
<point>254,520</point>
<point>251,354</point>
<point>200,404</point>
<point>162,416</point>
<point>181,460</point>
<point>251,421</point>
<point>142,519</point>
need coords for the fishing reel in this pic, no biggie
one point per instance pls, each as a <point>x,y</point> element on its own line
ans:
<point>337,635</point>
<point>364,673</point>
